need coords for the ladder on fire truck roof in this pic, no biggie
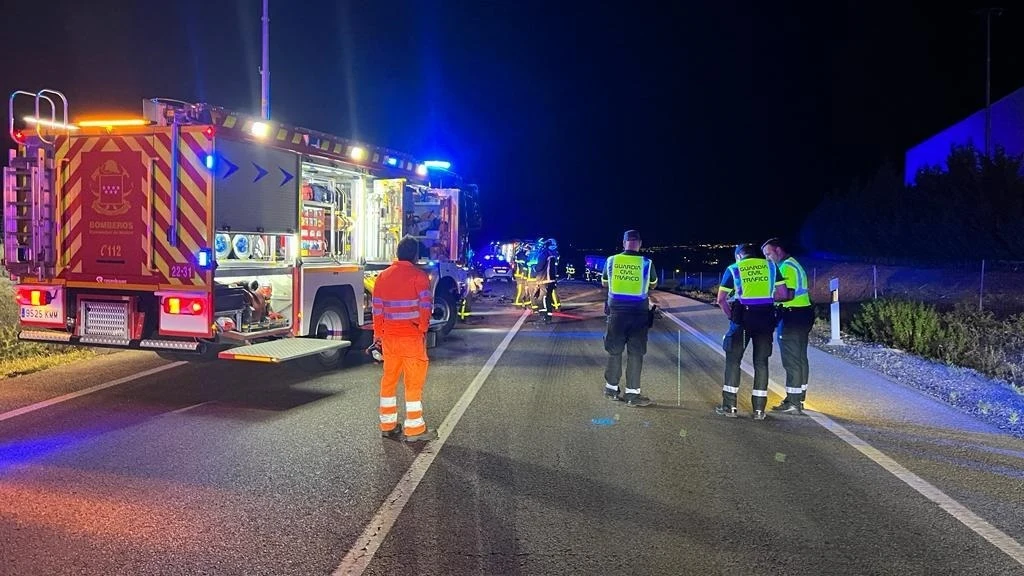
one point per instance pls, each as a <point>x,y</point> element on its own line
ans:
<point>29,196</point>
<point>167,111</point>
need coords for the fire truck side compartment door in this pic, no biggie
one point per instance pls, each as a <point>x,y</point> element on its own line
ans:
<point>257,188</point>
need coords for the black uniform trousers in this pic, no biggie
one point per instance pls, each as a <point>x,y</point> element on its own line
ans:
<point>749,323</point>
<point>794,335</point>
<point>626,331</point>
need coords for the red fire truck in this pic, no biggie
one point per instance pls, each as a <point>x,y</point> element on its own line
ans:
<point>198,232</point>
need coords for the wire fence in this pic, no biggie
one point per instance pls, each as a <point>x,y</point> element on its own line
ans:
<point>994,286</point>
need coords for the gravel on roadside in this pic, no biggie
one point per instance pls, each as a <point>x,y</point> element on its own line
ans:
<point>993,401</point>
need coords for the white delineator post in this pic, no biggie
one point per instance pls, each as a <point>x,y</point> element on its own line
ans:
<point>833,285</point>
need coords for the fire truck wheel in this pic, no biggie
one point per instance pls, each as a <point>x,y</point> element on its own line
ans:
<point>329,321</point>
<point>445,308</point>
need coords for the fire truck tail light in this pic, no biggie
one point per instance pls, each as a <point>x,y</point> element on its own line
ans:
<point>209,131</point>
<point>32,297</point>
<point>188,306</point>
<point>19,136</point>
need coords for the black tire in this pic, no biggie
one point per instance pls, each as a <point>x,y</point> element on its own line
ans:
<point>445,308</point>
<point>328,314</point>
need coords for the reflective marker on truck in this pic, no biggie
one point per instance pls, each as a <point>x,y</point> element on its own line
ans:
<point>182,271</point>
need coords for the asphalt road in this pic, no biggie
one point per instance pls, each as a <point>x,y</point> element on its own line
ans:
<point>236,468</point>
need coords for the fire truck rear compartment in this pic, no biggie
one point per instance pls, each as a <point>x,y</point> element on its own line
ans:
<point>106,321</point>
<point>130,319</point>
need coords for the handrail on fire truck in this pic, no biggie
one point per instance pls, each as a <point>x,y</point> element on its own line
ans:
<point>10,111</point>
<point>40,95</point>
<point>53,111</point>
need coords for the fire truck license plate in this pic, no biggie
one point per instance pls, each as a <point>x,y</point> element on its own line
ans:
<point>40,314</point>
<point>182,271</point>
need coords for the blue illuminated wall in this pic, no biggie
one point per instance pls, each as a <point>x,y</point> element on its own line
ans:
<point>1007,131</point>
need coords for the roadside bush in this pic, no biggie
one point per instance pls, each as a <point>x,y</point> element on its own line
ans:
<point>963,337</point>
<point>979,340</point>
<point>970,335</point>
<point>695,293</point>
<point>912,326</point>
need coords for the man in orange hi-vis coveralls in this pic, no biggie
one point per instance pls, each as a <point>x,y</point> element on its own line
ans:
<point>402,302</point>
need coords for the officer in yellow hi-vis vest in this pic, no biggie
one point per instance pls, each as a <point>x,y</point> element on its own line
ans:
<point>747,295</point>
<point>628,277</point>
<point>797,319</point>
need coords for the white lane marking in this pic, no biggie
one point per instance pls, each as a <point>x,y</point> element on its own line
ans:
<point>96,388</point>
<point>187,408</point>
<point>957,510</point>
<point>359,557</point>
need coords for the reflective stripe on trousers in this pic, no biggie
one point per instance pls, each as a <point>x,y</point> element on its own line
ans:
<point>734,344</point>
<point>405,357</point>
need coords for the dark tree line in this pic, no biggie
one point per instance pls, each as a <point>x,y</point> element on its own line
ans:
<point>970,210</point>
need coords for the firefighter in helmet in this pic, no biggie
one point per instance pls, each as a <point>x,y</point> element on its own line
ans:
<point>553,247</point>
<point>546,276</point>
<point>522,273</point>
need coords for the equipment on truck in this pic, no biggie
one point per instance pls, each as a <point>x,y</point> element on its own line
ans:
<point>198,232</point>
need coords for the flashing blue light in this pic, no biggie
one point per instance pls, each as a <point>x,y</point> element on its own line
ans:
<point>392,161</point>
<point>210,160</point>
<point>204,259</point>
<point>438,164</point>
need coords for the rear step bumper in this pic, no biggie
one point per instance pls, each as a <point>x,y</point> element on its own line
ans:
<point>282,350</point>
<point>274,351</point>
<point>107,341</point>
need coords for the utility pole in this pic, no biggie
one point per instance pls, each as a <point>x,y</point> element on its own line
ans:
<point>988,12</point>
<point>265,68</point>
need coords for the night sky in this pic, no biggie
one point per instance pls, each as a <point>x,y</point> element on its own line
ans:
<point>722,122</point>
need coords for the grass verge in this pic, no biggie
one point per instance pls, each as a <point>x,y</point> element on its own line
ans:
<point>18,358</point>
<point>29,364</point>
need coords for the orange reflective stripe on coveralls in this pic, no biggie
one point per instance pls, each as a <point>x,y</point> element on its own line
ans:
<point>402,302</point>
